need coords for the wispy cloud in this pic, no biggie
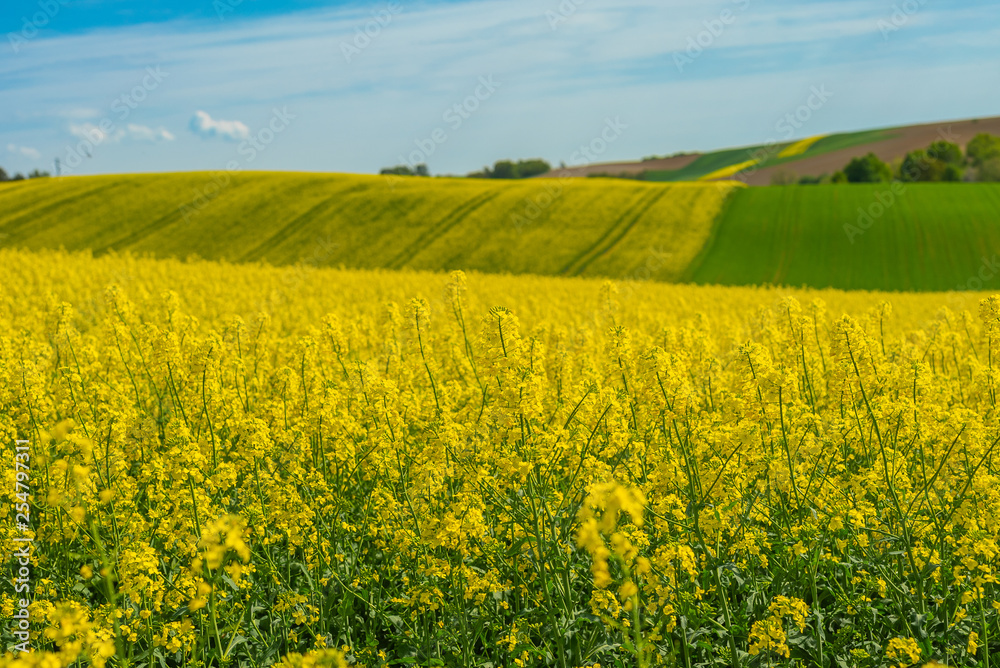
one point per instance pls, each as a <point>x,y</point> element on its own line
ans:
<point>26,151</point>
<point>93,134</point>
<point>131,132</point>
<point>205,126</point>
<point>143,133</point>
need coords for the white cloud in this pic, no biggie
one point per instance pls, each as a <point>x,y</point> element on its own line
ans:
<point>26,151</point>
<point>206,126</point>
<point>147,134</point>
<point>132,132</point>
<point>94,134</point>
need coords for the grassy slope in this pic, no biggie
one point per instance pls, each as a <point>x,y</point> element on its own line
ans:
<point>706,164</point>
<point>934,237</point>
<point>846,140</point>
<point>591,227</point>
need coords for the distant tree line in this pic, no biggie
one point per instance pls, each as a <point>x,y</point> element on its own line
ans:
<point>941,161</point>
<point>406,170</point>
<point>35,174</point>
<point>507,169</point>
<point>502,169</point>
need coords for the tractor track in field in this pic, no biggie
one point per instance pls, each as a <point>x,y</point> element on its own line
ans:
<point>10,189</point>
<point>16,224</point>
<point>137,235</point>
<point>296,224</point>
<point>446,225</point>
<point>6,191</point>
<point>171,217</point>
<point>614,234</point>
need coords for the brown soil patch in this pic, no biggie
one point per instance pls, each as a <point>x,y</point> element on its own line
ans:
<point>900,142</point>
<point>630,168</point>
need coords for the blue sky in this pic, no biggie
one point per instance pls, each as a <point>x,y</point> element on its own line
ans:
<point>118,86</point>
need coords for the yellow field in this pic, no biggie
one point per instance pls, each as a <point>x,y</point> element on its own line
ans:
<point>800,147</point>
<point>731,170</point>
<point>240,465</point>
<point>575,227</point>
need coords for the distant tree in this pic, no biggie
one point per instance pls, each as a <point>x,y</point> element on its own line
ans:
<point>508,169</point>
<point>867,169</point>
<point>3,175</point>
<point>38,174</point>
<point>812,180</point>
<point>946,152</point>
<point>982,147</point>
<point>952,173</point>
<point>406,170</point>
<point>989,169</point>
<point>919,166</point>
<point>505,169</point>
<point>784,177</point>
<point>533,167</point>
<point>486,173</point>
<point>18,177</point>
<point>839,177</point>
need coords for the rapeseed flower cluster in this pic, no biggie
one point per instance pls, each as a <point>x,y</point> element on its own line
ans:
<point>403,468</point>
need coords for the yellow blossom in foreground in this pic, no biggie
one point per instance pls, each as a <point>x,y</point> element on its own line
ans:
<point>904,650</point>
<point>494,469</point>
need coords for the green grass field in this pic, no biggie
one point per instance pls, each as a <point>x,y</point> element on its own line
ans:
<point>929,237</point>
<point>585,227</point>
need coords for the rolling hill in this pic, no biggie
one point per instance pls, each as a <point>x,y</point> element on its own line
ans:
<point>910,237</point>
<point>576,228</point>
<point>825,155</point>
